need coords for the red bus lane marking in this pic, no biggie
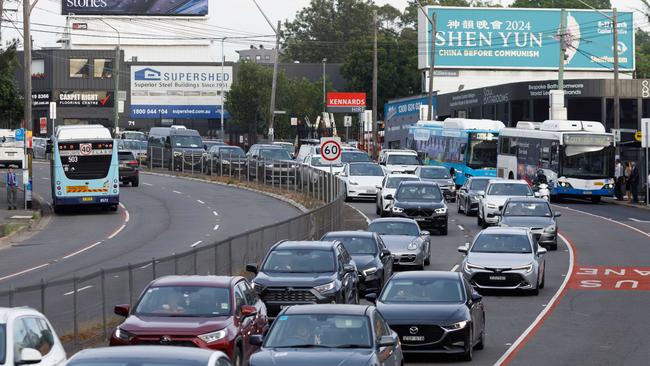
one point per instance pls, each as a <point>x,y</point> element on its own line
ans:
<point>611,278</point>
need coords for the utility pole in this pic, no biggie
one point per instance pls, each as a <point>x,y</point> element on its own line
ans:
<point>28,6</point>
<point>617,100</point>
<point>223,81</point>
<point>432,21</point>
<point>375,66</point>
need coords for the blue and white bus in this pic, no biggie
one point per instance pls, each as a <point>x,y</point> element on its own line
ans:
<point>468,146</point>
<point>84,167</point>
<point>577,157</point>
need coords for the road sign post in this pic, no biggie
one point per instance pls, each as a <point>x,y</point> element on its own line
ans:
<point>645,143</point>
<point>330,152</point>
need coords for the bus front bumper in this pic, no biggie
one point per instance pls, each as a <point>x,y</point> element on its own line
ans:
<point>87,200</point>
<point>570,191</point>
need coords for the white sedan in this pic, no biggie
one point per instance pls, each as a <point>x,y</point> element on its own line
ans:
<point>361,180</point>
<point>387,188</point>
<point>313,164</point>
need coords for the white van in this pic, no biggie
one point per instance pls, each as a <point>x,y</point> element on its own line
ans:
<point>28,338</point>
<point>12,152</point>
<point>398,161</point>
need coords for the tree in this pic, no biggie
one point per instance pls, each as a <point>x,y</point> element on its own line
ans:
<point>11,102</point>
<point>642,54</point>
<point>567,4</point>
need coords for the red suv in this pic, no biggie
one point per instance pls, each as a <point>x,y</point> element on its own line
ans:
<point>214,312</point>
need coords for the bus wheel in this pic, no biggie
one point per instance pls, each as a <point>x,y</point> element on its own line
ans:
<point>595,199</point>
<point>57,209</point>
<point>511,176</point>
<point>113,208</point>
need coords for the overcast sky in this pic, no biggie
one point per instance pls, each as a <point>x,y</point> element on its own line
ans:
<point>235,16</point>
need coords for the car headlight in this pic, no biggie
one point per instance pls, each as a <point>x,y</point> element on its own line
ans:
<point>369,271</point>
<point>398,209</point>
<point>442,210</point>
<point>326,287</point>
<point>456,326</point>
<point>564,184</point>
<point>527,268</point>
<point>214,336</point>
<point>413,245</point>
<point>258,288</point>
<point>452,188</point>
<point>550,229</point>
<point>469,267</point>
<point>226,162</point>
<point>492,206</point>
<point>123,335</point>
<point>353,183</point>
<point>178,153</point>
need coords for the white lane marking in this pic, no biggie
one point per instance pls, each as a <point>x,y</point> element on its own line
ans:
<point>461,227</point>
<point>546,309</point>
<point>216,227</point>
<point>360,213</point>
<point>20,217</point>
<point>201,202</point>
<point>606,219</point>
<point>44,178</point>
<point>637,220</point>
<point>78,290</point>
<point>197,243</point>
<point>454,268</point>
<point>82,250</point>
<point>23,272</point>
<point>147,184</point>
<point>215,213</point>
<point>177,192</point>
<point>114,234</point>
<point>128,217</point>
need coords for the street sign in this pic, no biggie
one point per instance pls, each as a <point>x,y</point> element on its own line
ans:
<point>20,134</point>
<point>294,121</point>
<point>347,121</point>
<point>645,133</point>
<point>638,135</point>
<point>330,150</point>
<point>346,102</point>
<point>52,110</point>
<point>42,122</point>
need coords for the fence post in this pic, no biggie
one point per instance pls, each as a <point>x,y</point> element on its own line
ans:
<point>230,257</point>
<point>130,284</point>
<point>196,268</point>
<point>175,264</point>
<point>75,318</point>
<point>192,155</point>
<point>42,296</point>
<point>216,265</point>
<point>103,290</point>
<point>153,268</point>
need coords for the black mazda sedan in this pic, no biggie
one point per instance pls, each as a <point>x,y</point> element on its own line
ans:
<point>433,312</point>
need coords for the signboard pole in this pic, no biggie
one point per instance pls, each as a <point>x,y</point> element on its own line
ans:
<point>617,102</point>
<point>645,142</point>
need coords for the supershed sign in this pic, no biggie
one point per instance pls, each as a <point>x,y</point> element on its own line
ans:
<point>178,91</point>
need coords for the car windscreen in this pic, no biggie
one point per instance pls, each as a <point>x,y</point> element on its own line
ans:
<point>393,182</point>
<point>235,152</point>
<point>184,301</point>
<point>435,173</point>
<point>537,209</point>
<point>509,189</point>
<point>3,342</point>
<point>406,159</point>
<point>356,244</point>
<point>318,161</point>
<point>423,290</point>
<point>412,192</point>
<point>502,243</point>
<point>394,228</point>
<point>300,261</point>
<point>275,154</point>
<point>355,157</point>
<point>138,361</point>
<point>479,184</point>
<point>366,170</point>
<point>134,136</point>
<point>320,331</point>
<point>186,141</point>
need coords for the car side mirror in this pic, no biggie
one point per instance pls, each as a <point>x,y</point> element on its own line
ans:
<point>480,194</point>
<point>378,187</point>
<point>541,251</point>
<point>387,341</point>
<point>476,297</point>
<point>122,310</point>
<point>371,298</point>
<point>343,174</point>
<point>558,214</point>
<point>347,268</point>
<point>29,356</point>
<point>536,194</point>
<point>425,233</point>
<point>385,252</point>
<point>256,340</point>
<point>247,311</point>
<point>462,249</point>
<point>252,268</point>
<point>389,197</point>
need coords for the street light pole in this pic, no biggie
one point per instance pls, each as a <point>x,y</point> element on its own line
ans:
<point>375,67</point>
<point>324,92</point>
<point>223,81</point>
<point>432,21</point>
<point>116,76</point>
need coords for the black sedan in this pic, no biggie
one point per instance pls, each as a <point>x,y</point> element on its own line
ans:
<point>149,355</point>
<point>423,202</point>
<point>129,172</point>
<point>534,214</point>
<point>327,335</point>
<point>374,261</point>
<point>433,312</point>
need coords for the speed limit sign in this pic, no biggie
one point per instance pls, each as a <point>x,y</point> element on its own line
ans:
<point>330,150</point>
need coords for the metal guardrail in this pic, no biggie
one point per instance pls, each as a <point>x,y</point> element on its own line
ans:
<point>81,307</point>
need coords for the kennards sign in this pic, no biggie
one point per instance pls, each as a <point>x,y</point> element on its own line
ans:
<point>178,91</point>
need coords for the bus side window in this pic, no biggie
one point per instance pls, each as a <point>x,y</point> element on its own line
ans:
<point>513,147</point>
<point>462,152</point>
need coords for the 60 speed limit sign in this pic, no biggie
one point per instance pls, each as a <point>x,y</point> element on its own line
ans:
<point>330,150</point>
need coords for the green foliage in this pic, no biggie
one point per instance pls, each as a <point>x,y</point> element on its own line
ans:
<point>11,101</point>
<point>642,54</point>
<point>567,4</point>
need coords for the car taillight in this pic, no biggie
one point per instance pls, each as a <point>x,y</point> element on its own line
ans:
<point>132,162</point>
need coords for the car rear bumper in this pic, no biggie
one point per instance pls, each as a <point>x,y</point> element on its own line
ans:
<point>87,200</point>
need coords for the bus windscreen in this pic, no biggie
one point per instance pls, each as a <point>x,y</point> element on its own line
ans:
<point>86,160</point>
<point>482,151</point>
<point>587,162</point>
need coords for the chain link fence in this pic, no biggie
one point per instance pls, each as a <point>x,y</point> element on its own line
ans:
<point>81,307</point>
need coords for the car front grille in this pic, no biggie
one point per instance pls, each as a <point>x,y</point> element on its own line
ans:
<point>286,295</point>
<point>497,279</point>
<point>405,258</point>
<point>151,342</point>
<point>418,212</point>
<point>431,333</point>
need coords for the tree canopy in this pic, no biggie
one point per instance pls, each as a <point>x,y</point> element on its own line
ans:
<point>11,101</point>
<point>567,4</point>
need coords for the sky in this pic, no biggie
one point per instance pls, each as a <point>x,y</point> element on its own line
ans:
<point>235,17</point>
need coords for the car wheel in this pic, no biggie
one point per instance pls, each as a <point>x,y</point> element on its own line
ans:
<point>543,283</point>
<point>485,224</point>
<point>378,211</point>
<point>444,231</point>
<point>479,222</point>
<point>469,347</point>
<point>554,245</point>
<point>237,357</point>
<point>481,341</point>
<point>135,182</point>
<point>459,208</point>
<point>427,260</point>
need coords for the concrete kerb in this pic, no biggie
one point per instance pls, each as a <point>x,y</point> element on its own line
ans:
<point>273,195</point>
<point>34,225</point>
<point>640,205</point>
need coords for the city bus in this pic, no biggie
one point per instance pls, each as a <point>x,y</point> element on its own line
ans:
<point>577,157</point>
<point>84,167</point>
<point>466,147</point>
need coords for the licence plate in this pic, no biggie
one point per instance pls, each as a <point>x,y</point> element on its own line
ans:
<point>11,154</point>
<point>413,338</point>
<point>370,191</point>
<point>588,192</point>
<point>498,278</point>
<point>87,199</point>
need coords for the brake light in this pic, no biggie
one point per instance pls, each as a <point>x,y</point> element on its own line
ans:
<point>132,162</point>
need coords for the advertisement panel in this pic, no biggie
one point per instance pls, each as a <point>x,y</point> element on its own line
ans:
<point>133,7</point>
<point>178,91</point>
<point>346,102</point>
<point>511,38</point>
<point>85,98</point>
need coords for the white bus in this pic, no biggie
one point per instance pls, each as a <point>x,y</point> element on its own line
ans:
<point>577,157</point>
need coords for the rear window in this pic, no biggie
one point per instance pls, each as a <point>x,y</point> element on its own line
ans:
<point>86,160</point>
<point>126,155</point>
<point>509,189</point>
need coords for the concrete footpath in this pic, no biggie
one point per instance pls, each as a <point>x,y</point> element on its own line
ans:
<point>15,224</point>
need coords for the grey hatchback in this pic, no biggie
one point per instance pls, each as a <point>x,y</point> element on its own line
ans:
<point>534,214</point>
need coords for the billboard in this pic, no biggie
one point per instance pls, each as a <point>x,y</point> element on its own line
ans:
<point>135,7</point>
<point>189,91</point>
<point>512,38</point>
<point>346,102</point>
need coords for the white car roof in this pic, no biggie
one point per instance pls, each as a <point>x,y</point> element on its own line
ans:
<point>17,311</point>
<point>403,176</point>
<point>508,181</point>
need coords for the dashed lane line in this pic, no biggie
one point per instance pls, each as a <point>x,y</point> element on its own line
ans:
<point>82,250</point>
<point>147,184</point>
<point>215,213</point>
<point>454,268</point>
<point>23,272</point>
<point>461,227</point>
<point>78,290</point>
<point>637,220</point>
<point>196,244</point>
<point>177,192</point>
<point>216,227</point>
<point>201,202</point>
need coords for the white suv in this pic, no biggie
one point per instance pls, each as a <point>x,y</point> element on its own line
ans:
<point>400,161</point>
<point>27,337</point>
<point>496,194</point>
<point>388,188</point>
